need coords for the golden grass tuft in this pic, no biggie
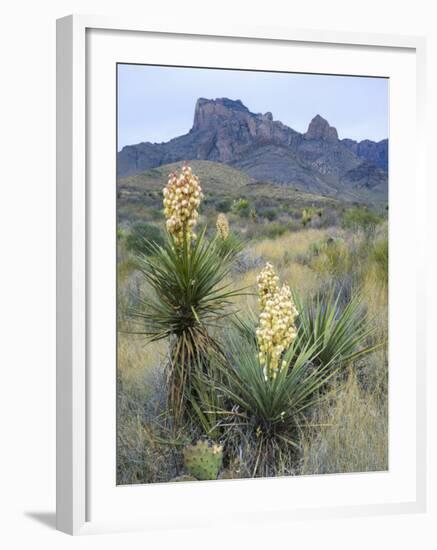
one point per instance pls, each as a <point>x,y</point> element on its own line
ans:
<point>136,359</point>
<point>298,242</point>
<point>352,435</point>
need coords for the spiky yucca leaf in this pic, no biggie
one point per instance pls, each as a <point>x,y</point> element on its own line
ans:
<point>274,402</point>
<point>188,288</point>
<point>343,332</point>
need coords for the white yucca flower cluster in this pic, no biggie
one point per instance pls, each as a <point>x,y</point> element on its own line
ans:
<point>277,329</point>
<point>222,226</point>
<point>182,196</point>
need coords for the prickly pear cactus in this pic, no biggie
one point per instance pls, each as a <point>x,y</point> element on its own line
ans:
<point>202,460</point>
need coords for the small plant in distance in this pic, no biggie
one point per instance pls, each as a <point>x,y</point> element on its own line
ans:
<point>360,218</point>
<point>241,207</point>
<point>309,213</point>
<point>227,243</point>
<point>187,293</point>
<point>306,216</point>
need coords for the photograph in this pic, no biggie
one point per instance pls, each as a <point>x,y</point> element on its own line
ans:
<point>252,273</point>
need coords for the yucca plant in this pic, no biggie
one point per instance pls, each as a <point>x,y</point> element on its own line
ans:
<point>342,332</point>
<point>280,367</point>
<point>273,377</point>
<point>227,243</point>
<point>188,290</point>
<point>270,411</point>
<point>188,298</point>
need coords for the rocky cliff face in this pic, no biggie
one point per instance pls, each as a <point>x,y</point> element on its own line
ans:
<point>319,129</point>
<point>374,152</point>
<point>226,131</point>
<point>231,129</point>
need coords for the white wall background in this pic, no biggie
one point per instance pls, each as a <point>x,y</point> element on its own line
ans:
<point>27,270</point>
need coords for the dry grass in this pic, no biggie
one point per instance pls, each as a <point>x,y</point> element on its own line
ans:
<point>136,358</point>
<point>281,249</point>
<point>353,433</point>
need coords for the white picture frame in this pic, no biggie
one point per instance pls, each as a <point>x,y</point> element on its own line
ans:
<point>74,460</point>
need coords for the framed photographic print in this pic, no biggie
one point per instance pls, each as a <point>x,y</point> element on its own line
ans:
<point>239,325</point>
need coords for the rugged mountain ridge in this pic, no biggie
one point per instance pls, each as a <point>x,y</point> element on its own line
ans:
<point>226,131</point>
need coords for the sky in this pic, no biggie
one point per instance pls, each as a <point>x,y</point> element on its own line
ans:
<point>157,103</point>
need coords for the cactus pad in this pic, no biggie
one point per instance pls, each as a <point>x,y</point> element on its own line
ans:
<point>203,460</point>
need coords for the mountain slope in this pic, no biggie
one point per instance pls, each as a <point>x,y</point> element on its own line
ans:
<point>215,177</point>
<point>226,131</point>
<point>139,197</point>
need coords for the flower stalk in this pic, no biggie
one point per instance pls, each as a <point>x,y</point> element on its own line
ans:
<point>182,197</point>
<point>277,329</point>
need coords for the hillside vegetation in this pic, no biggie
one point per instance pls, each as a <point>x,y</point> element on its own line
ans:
<point>140,196</point>
<point>201,408</point>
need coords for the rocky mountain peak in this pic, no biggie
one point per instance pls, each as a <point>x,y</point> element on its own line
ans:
<point>226,131</point>
<point>320,129</point>
<point>209,112</point>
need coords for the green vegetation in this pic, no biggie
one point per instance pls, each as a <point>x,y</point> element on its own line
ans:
<point>229,191</point>
<point>142,236</point>
<point>202,460</point>
<point>360,218</point>
<point>214,394</point>
<point>241,207</point>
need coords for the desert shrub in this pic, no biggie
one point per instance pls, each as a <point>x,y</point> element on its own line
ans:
<point>241,207</point>
<point>274,229</point>
<point>253,215</point>
<point>330,218</point>
<point>332,257</point>
<point>141,236</point>
<point>270,214</point>
<point>308,214</point>
<point>224,205</point>
<point>306,217</point>
<point>360,218</point>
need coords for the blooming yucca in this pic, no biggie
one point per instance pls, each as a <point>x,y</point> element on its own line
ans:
<point>182,196</point>
<point>222,226</point>
<point>277,329</point>
<point>268,284</point>
<point>189,292</point>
